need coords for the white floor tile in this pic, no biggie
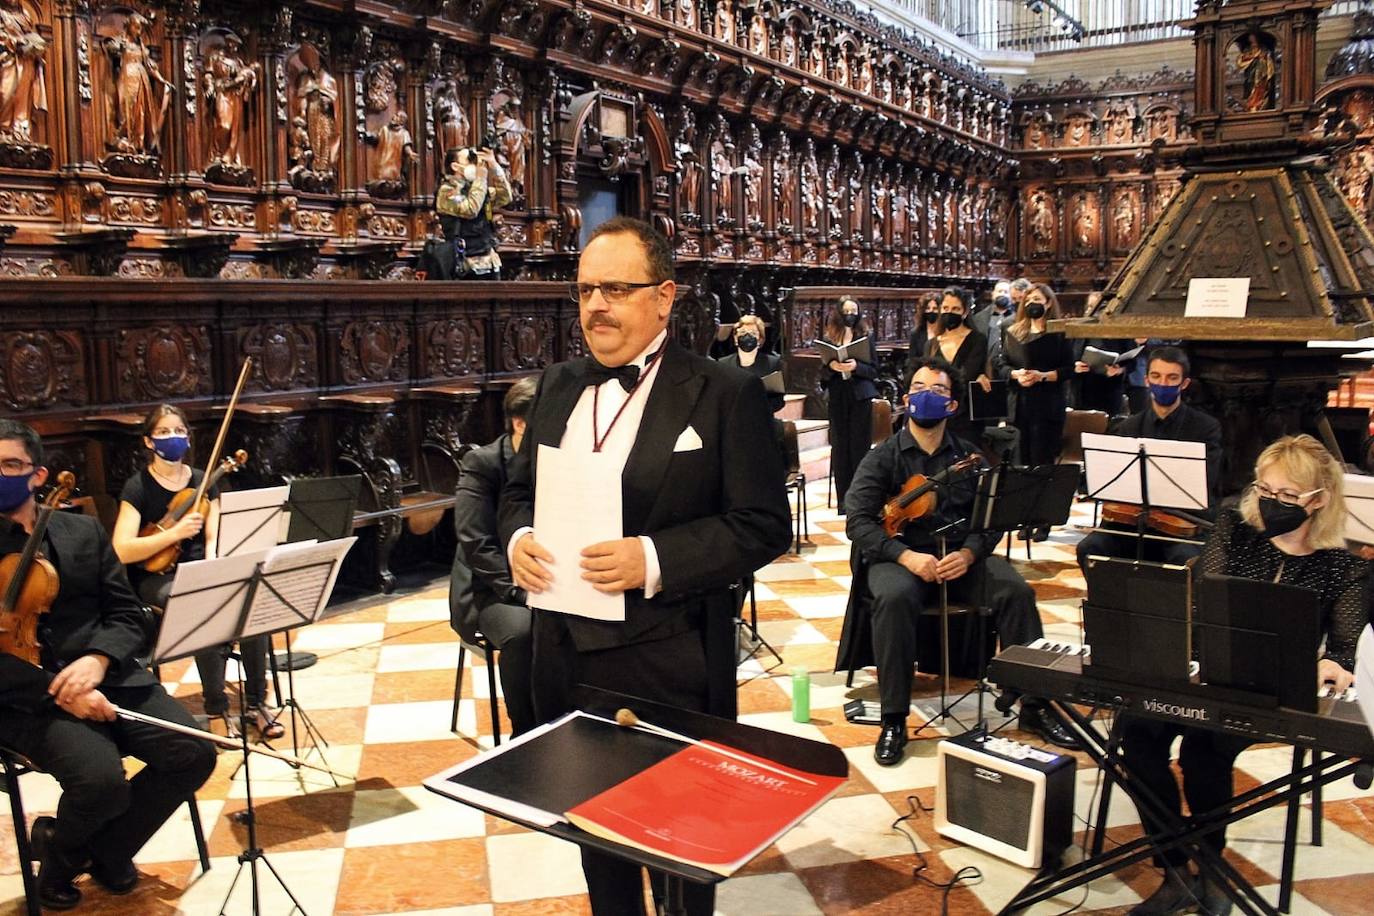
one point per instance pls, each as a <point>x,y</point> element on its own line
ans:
<point>765,895</point>
<point>337,636</point>
<point>423,721</point>
<point>418,657</point>
<point>411,814</point>
<point>531,866</point>
<point>844,830</point>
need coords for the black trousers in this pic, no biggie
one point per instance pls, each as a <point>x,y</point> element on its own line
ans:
<point>155,590</point>
<point>1207,759</point>
<point>1040,420</point>
<point>101,813</point>
<point>1123,546</point>
<point>898,597</point>
<point>508,627</point>
<point>671,671</point>
<point>851,436</point>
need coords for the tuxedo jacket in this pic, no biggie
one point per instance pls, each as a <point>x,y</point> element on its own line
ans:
<point>481,576</point>
<point>715,513</point>
<point>95,612</point>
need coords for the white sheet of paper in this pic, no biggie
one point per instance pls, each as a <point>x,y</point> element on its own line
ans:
<point>1176,472</point>
<point>1217,297</point>
<point>577,503</point>
<point>1359,508</point>
<point>245,519</point>
<point>302,577</point>
<point>203,610</point>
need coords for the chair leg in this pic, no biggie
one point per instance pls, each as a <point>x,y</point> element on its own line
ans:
<point>491,690</point>
<point>202,850</point>
<point>1317,805</point>
<point>1290,839</point>
<point>21,836</point>
<point>457,688</point>
<point>805,512</point>
<point>797,520</point>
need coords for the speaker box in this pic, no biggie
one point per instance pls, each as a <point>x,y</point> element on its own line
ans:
<point>1005,798</point>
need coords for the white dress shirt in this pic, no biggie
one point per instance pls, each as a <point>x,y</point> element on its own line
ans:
<point>607,398</point>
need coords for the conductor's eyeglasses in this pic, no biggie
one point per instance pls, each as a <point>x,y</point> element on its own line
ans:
<point>1287,497</point>
<point>611,290</point>
<point>14,467</point>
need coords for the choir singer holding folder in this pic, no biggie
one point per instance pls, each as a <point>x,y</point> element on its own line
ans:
<point>699,496</point>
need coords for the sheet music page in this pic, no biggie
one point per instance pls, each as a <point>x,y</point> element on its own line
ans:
<point>1176,472</point>
<point>246,520</point>
<point>205,604</point>
<point>1359,508</point>
<point>577,503</point>
<point>301,577</point>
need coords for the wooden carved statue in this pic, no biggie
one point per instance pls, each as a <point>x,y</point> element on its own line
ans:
<point>317,95</point>
<point>1035,133</point>
<point>840,73</point>
<point>141,94</point>
<point>935,212</point>
<point>688,164</point>
<point>395,151</point>
<point>966,201</point>
<point>878,195</point>
<point>723,172</point>
<point>510,143</point>
<point>299,153</point>
<point>752,172</point>
<point>22,87</point>
<point>1120,120</point>
<point>1256,61</point>
<point>450,122</point>
<point>811,192</point>
<point>787,45</point>
<point>1123,220</point>
<point>229,84</point>
<point>953,210</point>
<point>758,34</point>
<point>1354,178</point>
<point>784,188</point>
<point>864,80</point>
<point>1040,222</point>
<point>899,215</point>
<point>1078,130</point>
<point>1084,223</point>
<point>816,61</point>
<point>725,20</point>
<point>687,13</point>
<point>1162,123</point>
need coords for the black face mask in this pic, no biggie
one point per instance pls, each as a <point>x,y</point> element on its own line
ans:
<point>932,315</point>
<point>747,343</point>
<point>951,320</point>
<point>1280,518</point>
<point>1002,302</point>
<point>1036,310</point>
<point>850,320</point>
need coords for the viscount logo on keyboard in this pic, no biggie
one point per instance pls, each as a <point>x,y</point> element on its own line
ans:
<point>1177,711</point>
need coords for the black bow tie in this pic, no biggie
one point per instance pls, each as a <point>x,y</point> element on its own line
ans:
<point>598,374</point>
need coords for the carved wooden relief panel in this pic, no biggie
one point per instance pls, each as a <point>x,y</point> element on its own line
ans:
<point>285,355</point>
<point>163,362</point>
<point>41,370</point>
<point>453,347</point>
<point>373,351</point>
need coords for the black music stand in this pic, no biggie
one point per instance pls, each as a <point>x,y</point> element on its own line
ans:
<point>1150,478</point>
<point>1011,497</point>
<point>549,784</point>
<point>321,509</point>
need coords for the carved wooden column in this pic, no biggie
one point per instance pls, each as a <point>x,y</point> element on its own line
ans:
<point>274,36</point>
<point>71,58</point>
<point>181,158</point>
<point>354,44</point>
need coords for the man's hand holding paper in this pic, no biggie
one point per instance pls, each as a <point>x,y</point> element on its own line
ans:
<point>614,566</point>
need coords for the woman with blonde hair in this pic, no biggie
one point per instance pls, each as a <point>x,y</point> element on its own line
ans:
<point>1288,528</point>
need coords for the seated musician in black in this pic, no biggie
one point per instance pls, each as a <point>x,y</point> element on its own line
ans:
<point>62,715</point>
<point>482,596</point>
<point>903,574</point>
<point>1288,528</point>
<point>1167,417</point>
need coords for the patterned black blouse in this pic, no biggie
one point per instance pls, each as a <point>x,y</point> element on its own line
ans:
<point>1237,549</point>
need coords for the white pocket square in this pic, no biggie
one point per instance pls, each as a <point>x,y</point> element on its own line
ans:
<point>687,441</point>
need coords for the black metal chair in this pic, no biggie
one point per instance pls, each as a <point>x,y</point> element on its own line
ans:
<point>16,765</point>
<point>482,648</point>
<point>795,482</point>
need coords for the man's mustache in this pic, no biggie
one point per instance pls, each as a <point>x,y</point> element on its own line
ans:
<point>600,319</point>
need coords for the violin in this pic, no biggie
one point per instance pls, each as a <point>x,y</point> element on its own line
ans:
<point>917,497</point>
<point>1165,523</point>
<point>30,581</point>
<point>183,501</point>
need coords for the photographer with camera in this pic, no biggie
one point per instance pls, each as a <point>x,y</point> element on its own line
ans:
<point>474,186</point>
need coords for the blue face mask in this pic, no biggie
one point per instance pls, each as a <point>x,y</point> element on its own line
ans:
<point>927,408</point>
<point>171,448</point>
<point>1165,395</point>
<point>14,491</point>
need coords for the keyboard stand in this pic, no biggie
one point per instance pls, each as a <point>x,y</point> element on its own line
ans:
<point>1176,832</point>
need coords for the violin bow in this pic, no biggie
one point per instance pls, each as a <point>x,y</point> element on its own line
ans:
<point>220,740</point>
<point>223,431</point>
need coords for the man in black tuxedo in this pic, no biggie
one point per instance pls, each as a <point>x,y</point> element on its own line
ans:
<point>703,507</point>
<point>482,596</point>
<point>1166,417</point>
<point>62,715</point>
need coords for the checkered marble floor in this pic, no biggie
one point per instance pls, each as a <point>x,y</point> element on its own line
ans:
<point>381,695</point>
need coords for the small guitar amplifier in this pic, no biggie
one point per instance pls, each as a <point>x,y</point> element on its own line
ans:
<point>1005,798</point>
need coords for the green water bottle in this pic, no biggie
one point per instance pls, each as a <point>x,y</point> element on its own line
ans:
<point>801,694</point>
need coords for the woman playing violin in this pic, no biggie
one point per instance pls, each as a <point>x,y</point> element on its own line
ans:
<point>1288,528</point>
<point>60,714</point>
<point>142,531</point>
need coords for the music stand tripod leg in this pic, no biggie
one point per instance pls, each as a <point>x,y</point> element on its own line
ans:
<point>757,639</point>
<point>311,731</point>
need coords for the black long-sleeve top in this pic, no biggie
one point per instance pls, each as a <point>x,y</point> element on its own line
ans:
<point>764,364</point>
<point>858,387</point>
<point>1236,549</point>
<point>970,359</point>
<point>880,477</point>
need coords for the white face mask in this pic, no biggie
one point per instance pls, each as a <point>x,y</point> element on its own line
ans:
<point>469,172</point>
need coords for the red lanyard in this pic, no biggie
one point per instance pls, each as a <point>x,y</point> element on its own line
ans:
<point>599,440</point>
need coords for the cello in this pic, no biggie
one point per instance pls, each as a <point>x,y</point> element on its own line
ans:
<point>30,581</point>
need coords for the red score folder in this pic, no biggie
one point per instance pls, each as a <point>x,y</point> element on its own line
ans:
<point>705,808</point>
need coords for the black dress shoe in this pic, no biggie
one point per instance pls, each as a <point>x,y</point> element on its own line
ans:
<point>1212,900</point>
<point>1041,534</point>
<point>55,872</point>
<point>120,878</point>
<point>1174,895</point>
<point>891,744</point>
<point>1036,718</point>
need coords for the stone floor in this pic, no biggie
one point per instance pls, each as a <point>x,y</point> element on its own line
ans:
<point>381,696</point>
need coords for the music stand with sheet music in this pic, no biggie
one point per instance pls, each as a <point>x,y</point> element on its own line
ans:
<point>250,520</point>
<point>250,594</point>
<point>1149,473</point>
